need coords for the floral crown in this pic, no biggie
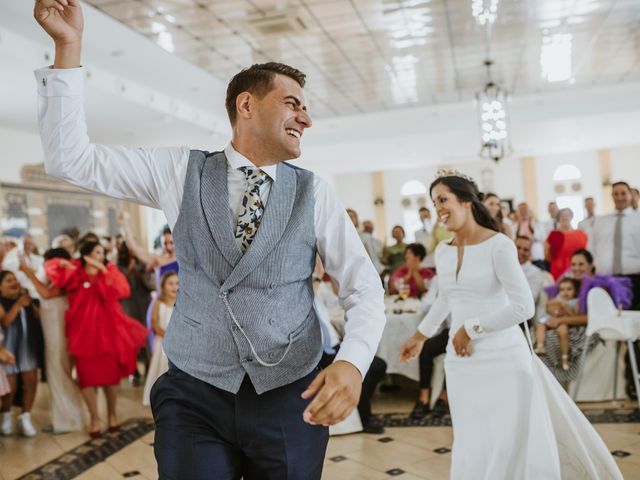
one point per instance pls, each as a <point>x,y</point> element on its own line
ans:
<point>452,172</point>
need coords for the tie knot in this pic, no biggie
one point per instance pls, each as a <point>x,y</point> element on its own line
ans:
<point>253,175</point>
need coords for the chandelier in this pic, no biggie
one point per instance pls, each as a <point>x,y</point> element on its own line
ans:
<point>492,113</point>
<point>484,11</point>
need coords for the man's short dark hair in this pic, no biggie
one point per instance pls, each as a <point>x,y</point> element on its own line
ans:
<point>258,80</point>
<point>418,250</point>
<point>524,237</point>
<point>621,184</point>
<point>422,209</point>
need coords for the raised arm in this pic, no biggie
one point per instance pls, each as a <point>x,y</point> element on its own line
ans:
<point>146,257</point>
<point>150,176</point>
<point>7,317</point>
<point>44,291</point>
<point>63,21</point>
<point>155,320</point>
<point>519,307</point>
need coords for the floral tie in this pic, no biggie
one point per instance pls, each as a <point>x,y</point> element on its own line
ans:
<point>252,207</point>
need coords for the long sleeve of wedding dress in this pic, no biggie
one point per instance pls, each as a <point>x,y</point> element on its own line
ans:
<point>520,305</point>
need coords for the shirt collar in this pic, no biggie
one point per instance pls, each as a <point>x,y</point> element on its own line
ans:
<point>237,160</point>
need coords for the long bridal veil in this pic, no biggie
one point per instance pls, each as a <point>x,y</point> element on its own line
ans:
<point>582,453</point>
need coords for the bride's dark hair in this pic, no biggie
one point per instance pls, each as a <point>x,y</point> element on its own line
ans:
<point>467,191</point>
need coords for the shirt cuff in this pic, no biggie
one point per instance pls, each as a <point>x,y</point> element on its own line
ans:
<point>428,330</point>
<point>474,329</point>
<point>356,354</point>
<point>60,82</point>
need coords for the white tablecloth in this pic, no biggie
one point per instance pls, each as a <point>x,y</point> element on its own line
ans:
<point>400,326</point>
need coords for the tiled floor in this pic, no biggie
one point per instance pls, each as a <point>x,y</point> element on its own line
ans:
<point>412,453</point>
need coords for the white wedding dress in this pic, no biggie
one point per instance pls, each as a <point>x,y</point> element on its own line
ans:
<point>511,419</point>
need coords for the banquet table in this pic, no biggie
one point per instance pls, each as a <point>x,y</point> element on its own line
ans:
<point>403,317</point>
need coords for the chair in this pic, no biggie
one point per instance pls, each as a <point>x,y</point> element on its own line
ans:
<point>610,324</point>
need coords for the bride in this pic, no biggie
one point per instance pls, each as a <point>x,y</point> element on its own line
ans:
<point>511,419</point>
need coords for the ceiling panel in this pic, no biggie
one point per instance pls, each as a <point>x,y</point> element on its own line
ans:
<point>373,55</point>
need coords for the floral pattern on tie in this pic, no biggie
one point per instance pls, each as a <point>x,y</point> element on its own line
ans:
<point>252,207</point>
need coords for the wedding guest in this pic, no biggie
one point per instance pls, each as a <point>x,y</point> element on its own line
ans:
<point>615,241</point>
<point>411,273</point>
<point>20,321</point>
<point>433,347</point>
<point>64,241</point>
<point>393,256</point>
<point>26,252</point>
<point>565,304</point>
<point>101,338</point>
<point>65,401</point>
<point>424,234</point>
<point>562,243</point>
<point>582,269</point>
<point>7,358</point>
<point>326,297</point>
<point>586,224</point>
<point>162,309</point>
<point>372,245</point>
<point>492,202</point>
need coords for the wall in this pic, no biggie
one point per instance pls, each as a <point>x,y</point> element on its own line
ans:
<point>17,148</point>
<point>505,179</point>
<point>625,165</point>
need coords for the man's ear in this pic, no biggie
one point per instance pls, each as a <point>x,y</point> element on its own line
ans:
<point>245,104</point>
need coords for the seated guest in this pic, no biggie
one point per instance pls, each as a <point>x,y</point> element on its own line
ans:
<point>326,298</point>
<point>565,304</point>
<point>534,274</point>
<point>433,347</point>
<point>583,270</point>
<point>411,272</point>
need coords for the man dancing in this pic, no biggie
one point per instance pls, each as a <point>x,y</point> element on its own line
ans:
<point>244,341</point>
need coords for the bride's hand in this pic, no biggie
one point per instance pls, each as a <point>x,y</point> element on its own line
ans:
<point>462,343</point>
<point>412,347</point>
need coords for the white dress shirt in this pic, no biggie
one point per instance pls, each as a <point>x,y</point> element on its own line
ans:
<point>586,225</point>
<point>155,177</point>
<point>535,279</point>
<point>601,242</point>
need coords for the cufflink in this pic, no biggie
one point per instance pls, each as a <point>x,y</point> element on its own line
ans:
<point>478,329</point>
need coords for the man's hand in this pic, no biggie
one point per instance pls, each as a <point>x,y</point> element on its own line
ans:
<point>62,20</point>
<point>336,390</point>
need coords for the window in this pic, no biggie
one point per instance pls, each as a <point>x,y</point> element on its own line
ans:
<point>566,172</point>
<point>413,187</point>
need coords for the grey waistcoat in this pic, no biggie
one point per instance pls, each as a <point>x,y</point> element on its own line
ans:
<point>269,288</point>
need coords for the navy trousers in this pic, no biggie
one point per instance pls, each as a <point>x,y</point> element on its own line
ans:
<point>203,432</point>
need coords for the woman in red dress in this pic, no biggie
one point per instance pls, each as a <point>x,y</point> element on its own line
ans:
<point>102,340</point>
<point>562,243</point>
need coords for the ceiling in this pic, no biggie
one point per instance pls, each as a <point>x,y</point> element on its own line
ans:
<point>364,56</point>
